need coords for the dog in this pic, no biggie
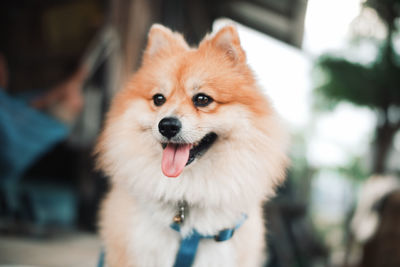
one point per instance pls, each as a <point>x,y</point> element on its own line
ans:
<point>190,141</point>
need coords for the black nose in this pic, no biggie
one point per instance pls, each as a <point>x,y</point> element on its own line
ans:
<point>169,127</point>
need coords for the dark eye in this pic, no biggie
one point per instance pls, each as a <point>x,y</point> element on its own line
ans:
<point>202,100</point>
<point>158,99</point>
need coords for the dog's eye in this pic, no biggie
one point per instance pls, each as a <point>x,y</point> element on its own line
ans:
<point>158,99</point>
<point>201,100</point>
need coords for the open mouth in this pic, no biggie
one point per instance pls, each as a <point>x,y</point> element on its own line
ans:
<point>177,155</point>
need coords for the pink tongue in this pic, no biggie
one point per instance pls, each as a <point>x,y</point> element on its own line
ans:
<point>174,159</point>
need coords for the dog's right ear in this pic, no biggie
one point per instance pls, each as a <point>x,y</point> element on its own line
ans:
<point>163,40</point>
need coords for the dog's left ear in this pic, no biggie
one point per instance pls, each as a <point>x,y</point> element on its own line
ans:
<point>227,40</point>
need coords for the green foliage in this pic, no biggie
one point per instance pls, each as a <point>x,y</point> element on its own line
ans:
<point>376,86</point>
<point>355,170</point>
<point>348,81</point>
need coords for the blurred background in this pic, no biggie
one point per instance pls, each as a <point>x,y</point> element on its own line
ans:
<point>331,67</point>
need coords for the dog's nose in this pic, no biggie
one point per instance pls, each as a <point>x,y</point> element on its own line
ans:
<point>169,127</point>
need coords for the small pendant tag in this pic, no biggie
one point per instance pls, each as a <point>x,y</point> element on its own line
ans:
<point>180,215</point>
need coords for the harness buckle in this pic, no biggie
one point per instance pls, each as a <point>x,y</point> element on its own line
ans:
<point>224,235</point>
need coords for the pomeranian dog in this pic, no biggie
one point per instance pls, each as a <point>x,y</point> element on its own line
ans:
<point>191,140</point>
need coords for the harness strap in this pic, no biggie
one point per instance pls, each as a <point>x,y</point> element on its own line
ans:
<point>187,250</point>
<point>188,247</point>
<point>101,262</point>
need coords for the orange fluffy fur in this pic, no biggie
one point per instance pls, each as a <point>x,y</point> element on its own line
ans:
<point>239,171</point>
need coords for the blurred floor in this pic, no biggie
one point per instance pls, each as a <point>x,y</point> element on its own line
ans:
<point>72,250</point>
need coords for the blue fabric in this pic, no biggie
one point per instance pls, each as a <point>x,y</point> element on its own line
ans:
<point>187,250</point>
<point>188,247</point>
<point>101,259</point>
<point>224,235</point>
<point>25,134</point>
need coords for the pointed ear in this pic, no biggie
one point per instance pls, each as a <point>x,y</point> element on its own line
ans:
<point>227,40</point>
<point>161,39</point>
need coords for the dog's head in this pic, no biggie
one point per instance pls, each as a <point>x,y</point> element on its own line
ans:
<point>193,113</point>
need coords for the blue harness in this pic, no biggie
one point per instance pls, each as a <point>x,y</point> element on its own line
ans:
<point>188,247</point>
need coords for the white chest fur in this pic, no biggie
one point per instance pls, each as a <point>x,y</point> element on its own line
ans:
<point>154,243</point>
<point>144,232</point>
